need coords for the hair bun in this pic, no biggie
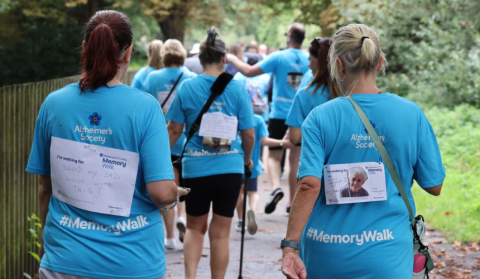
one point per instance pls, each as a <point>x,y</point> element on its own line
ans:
<point>211,36</point>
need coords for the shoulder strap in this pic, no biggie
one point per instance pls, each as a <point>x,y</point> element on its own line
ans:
<point>386,157</point>
<point>217,89</point>
<point>171,90</point>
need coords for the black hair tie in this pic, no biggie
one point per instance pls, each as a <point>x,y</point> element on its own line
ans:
<point>212,33</point>
<point>364,37</point>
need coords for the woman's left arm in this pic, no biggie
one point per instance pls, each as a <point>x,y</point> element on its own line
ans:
<point>307,194</point>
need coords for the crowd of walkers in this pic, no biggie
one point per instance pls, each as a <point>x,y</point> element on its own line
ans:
<point>190,133</point>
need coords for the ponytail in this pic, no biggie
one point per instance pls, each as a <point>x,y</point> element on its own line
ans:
<point>107,35</point>
<point>358,46</point>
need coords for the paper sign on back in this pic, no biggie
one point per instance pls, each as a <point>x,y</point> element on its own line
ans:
<point>93,178</point>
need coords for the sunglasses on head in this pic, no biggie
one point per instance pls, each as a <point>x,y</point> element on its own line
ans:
<point>316,42</point>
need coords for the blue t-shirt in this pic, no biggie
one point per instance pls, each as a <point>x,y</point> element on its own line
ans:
<point>260,132</point>
<point>98,245</point>
<point>307,78</point>
<point>368,239</point>
<point>205,156</point>
<point>140,76</point>
<point>304,102</point>
<point>288,67</point>
<point>256,83</point>
<point>163,80</point>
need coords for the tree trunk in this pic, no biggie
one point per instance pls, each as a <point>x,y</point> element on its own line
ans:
<point>173,25</point>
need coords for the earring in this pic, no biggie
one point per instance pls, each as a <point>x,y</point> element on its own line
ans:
<point>343,78</point>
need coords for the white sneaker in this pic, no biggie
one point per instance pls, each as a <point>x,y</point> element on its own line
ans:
<point>170,244</point>
<point>252,222</point>
<point>238,226</point>
<point>181,226</point>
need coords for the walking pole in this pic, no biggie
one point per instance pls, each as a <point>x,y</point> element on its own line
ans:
<point>248,174</point>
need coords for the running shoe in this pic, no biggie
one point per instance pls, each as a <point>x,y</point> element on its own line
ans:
<point>275,197</point>
<point>238,226</point>
<point>170,244</point>
<point>287,213</point>
<point>252,222</point>
<point>181,226</point>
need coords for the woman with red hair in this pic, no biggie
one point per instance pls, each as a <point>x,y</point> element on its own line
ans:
<point>93,141</point>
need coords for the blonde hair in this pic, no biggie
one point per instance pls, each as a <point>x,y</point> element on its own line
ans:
<point>173,52</point>
<point>154,57</point>
<point>358,46</point>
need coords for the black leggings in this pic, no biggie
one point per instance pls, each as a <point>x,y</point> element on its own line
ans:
<point>221,190</point>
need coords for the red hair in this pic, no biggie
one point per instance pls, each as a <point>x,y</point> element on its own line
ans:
<point>107,35</point>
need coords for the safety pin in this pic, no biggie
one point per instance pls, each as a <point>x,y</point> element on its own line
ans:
<point>89,146</point>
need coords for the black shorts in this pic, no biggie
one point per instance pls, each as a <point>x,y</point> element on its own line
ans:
<point>180,179</point>
<point>253,184</point>
<point>220,190</point>
<point>277,130</point>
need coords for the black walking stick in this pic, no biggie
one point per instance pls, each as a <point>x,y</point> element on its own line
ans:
<point>248,174</point>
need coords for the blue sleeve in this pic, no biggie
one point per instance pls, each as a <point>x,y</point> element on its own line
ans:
<point>262,130</point>
<point>429,171</point>
<point>295,116</point>
<point>269,65</point>
<point>155,147</point>
<point>136,80</point>
<point>245,111</point>
<point>39,160</point>
<point>312,156</point>
<point>175,113</point>
<point>147,85</point>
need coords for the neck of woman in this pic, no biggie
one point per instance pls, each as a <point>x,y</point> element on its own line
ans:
<point>214,70</point>
<point>365,84</point>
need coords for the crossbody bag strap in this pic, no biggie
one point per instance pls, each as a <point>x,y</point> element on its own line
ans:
<point>386,157</point>
<point>217,89</point>
<point>171,90</point>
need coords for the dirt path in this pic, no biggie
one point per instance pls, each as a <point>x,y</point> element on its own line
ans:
<point>458,260</point>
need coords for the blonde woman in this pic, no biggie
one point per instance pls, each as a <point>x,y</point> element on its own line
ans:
<point>154,63</point>
<point>359,237</point>
<point>159,84</point>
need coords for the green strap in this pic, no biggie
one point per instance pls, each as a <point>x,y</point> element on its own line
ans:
<point>386,158</point>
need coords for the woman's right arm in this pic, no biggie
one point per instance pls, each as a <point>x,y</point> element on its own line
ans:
<point>175,130</point>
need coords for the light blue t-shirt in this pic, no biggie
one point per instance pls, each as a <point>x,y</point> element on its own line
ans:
<point>256,83</point>
<point>288,67</point>
<point>304,102</point>
<point>369,239</point>
<point>163,80</point>
<point>260,132</point>
<point>307,78</point>
<point>98,245</point>
<point>140,76</point>
<point>205,156</point>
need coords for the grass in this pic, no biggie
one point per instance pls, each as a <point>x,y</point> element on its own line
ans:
<point>451,212</point>
<point>456,212</point>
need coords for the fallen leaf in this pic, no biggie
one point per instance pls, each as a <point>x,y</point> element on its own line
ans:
<point>448,213</point>
<point>437,242</point>
<point>460,255</point>
<point>427,233</point>
<point>440,264</point>
<point>442,250</point>
<point>467,271</point>
<point>478,260</point>
<point>457,244</point>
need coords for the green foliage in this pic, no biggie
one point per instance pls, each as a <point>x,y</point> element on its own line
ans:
<point>457,210</point>
<point>35,222</point>
<point>434,43</point>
